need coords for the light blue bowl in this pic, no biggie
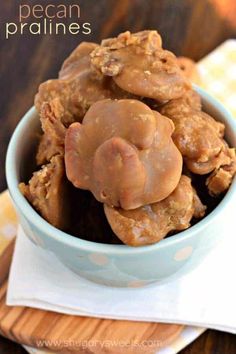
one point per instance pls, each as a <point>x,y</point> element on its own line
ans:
<point>118,265</point>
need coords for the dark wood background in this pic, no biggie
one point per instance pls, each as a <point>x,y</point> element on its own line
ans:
<point>188,27</point>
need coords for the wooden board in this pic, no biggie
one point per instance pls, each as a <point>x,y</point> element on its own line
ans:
<point>74,334</point>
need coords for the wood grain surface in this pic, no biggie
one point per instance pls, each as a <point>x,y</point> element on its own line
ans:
<point>188,27</point>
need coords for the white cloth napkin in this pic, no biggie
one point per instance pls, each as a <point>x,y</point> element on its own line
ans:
<point>204,297</point>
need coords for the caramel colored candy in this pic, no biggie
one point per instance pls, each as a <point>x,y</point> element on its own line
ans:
<point>151,223</point>
<point>78,86</point>
<point>189,69</point>
<point>138,64</point>
<point>48,192</point>
<point>221,178</point>
<point>54,131</point>
<point>200,139</point>
<point>197,135</point>
<point>123,153</point>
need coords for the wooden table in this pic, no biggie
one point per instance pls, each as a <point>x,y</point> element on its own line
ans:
<point>188,27</point>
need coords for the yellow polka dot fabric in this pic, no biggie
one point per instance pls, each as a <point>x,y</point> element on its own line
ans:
<point>218,77</point>
<point>218,74</point>
<point>8,221</point>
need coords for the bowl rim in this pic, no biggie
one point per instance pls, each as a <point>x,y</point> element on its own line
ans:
<point>62,237</point>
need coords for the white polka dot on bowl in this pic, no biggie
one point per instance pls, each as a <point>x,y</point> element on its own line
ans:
<point>98,259</point>
<point>183,253</point>
<point>136,283</point>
